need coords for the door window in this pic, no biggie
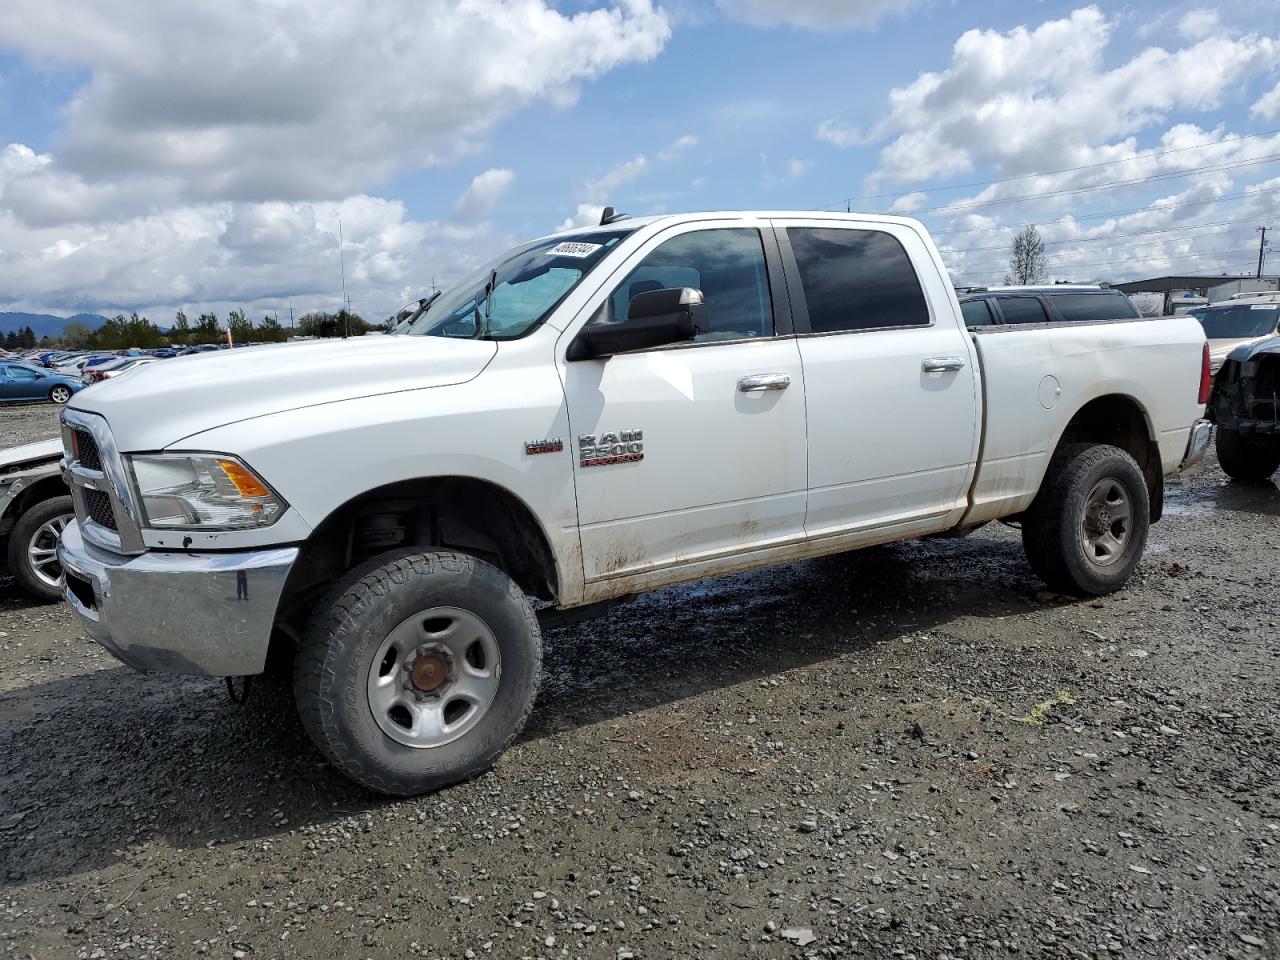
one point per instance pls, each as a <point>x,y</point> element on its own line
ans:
<point>727,265</point>
<point>1022,310</point>
<point>21,373</point>
<point>976,313</point>
<point>1094,306</point>
<point>857,280</point>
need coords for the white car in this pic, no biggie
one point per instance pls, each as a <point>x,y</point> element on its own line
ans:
<point>594,414</point>
<point>1244,319</point>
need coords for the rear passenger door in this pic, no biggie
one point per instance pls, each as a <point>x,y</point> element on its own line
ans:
<point>890,380</point>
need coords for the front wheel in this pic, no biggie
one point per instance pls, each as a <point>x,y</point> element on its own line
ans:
<point>1245,460</point>
<point>418,670</point>
<point>33,546</point>
<point>60,394</point>
<point>1086,529</point>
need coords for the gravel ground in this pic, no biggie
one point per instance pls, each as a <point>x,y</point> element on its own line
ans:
<point>909,752</point>
<point>28,422</point>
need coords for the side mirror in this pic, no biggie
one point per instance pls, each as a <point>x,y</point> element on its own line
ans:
<point>654,319</point>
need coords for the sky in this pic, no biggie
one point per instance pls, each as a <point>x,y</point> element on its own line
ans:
<point>201,155</point>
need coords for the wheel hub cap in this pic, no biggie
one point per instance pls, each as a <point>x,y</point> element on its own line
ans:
<point>434,677</point>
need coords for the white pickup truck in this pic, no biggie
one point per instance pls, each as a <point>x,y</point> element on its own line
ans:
<point>596,413</point>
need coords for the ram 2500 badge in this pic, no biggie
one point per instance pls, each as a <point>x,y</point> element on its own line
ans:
<point>594,414</point>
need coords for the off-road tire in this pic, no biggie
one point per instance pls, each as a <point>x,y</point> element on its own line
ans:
<point>1051,526</point>
<point>332,663</point>
<point>60,394</point>
<point>1246,460</point>
<point>20,539</point>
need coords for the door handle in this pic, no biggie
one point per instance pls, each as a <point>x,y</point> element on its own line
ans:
<point>941,364</point>
<point>764,381</point>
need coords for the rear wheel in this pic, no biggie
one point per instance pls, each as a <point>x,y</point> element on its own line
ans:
<point>1086,530</point>
<point>418,670</point>
<point>33,545</point>
<point>60,393</point>
<point>1246,460</point>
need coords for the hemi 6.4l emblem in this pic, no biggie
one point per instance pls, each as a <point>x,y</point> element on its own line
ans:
<point>610,448</point>
<point>548,445</point>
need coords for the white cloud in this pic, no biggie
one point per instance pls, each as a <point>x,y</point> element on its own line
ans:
<point>1036,99</point>
<point>587,215</point>
<point>241,100</point>
<point>482,195</point>
<point>606,185</point>
<point>212,147</point>
<point>839,134</point>
<point>687,142</point>
<point>1268,105</point>
<point>813,14</point>
<point>797,168</point>
<point>907,203</point>
<point>1199,23</point>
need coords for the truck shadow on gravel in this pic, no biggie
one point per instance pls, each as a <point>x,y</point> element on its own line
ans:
<point>95,764</point>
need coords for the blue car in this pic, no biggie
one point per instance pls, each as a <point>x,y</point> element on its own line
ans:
<point>22,382</point>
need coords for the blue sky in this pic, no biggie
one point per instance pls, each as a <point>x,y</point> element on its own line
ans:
<point>201,156</point>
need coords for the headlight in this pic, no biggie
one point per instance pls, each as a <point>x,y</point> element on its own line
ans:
<point>202,492</point>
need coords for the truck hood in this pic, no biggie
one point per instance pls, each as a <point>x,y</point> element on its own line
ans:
<point>1220,349</point>
<point>159,404</point>
<point>42,451</point>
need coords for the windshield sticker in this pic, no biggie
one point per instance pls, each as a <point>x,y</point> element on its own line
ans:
<point>1263,306</point>
<point>571,249</point>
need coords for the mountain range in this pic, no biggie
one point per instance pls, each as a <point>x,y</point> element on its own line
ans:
<point>46,324</point>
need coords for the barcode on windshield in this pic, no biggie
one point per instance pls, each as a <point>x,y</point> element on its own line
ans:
<point>570,248</point>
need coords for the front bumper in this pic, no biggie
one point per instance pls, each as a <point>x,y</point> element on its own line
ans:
<point>1197,444</point>
<point>207,614</point>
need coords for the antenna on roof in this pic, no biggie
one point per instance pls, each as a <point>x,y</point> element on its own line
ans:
<point>608,216</point>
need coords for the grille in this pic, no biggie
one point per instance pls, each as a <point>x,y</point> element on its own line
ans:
<point>99,506</point>
<point>88,454</point>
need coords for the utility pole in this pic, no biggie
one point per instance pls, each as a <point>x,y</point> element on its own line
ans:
<point>1262,249</point>
<point>293,331</point>
<point>342,265</point>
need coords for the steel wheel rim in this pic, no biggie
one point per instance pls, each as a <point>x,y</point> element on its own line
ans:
<point>1107,523</point>
<point>42,550</point>
<point>434,677</point>
<point>61,394</point>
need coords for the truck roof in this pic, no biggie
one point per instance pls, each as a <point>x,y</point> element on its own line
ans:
<point>634,223</point>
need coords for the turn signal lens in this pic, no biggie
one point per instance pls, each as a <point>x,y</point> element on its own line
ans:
<point>246,482</point>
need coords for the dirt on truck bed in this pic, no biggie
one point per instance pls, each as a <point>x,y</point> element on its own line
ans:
<point>913,752</point>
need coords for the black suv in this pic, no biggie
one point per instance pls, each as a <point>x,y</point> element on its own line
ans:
<point>1062,303</point>
<point>1245,404</point>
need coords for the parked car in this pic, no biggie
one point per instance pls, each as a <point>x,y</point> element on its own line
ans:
<point>1246,407</point>
<point>35,507</point>
<point>1236,322</point>
<point>595,414</point>
<point>1059,303</point>
<point>22,382</point>
<point>113,368</point>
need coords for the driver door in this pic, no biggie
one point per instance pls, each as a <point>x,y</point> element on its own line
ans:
<point>709,434</point>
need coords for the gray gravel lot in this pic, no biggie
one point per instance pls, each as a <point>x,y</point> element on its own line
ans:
<point>909,752</point>
<point>28,422</point>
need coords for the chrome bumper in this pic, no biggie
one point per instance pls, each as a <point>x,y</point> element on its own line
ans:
<point>206,614</point>
<point>1197,444</point>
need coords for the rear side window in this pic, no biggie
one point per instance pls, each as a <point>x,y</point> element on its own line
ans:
<point>1022,310</point>
<point>976,313</point>
<point>1094,306</point>
<point>857,280</point>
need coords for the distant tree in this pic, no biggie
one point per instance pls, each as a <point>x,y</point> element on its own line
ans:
<point>180,332</point>
<point>1027,265</point>
<point>207,329</point>
<point>26,338</point>
<point>270,331</point>
<point>11,340</point>
<point>240,325</point>
<point>76,334</point>
<point>338,324</point>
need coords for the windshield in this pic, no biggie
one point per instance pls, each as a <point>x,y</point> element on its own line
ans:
<point>1241,320</point>
<point>507,298</point>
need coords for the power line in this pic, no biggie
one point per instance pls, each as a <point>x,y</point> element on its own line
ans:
<point>1068,191</point>
<point>1050,173</point>
<point>1108,213</point>
<point>1141,233</point>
